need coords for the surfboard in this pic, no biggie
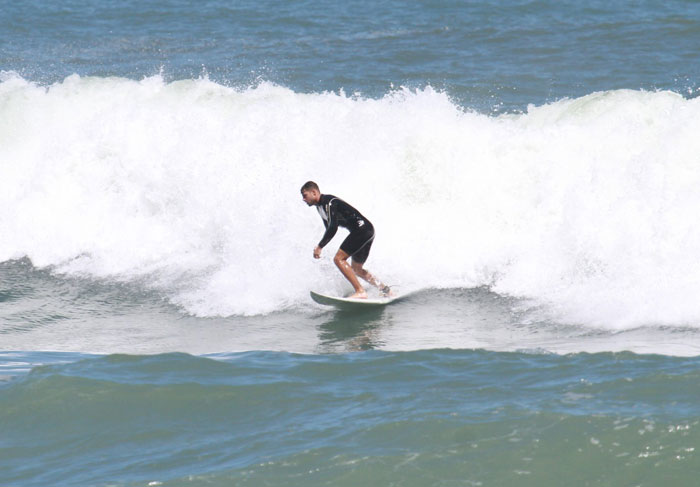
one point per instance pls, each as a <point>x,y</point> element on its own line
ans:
<point>352,303</point>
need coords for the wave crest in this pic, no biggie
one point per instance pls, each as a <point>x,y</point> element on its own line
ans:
<point>586,206</point>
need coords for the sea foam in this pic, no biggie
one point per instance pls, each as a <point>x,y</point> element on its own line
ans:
<point>584,207</point>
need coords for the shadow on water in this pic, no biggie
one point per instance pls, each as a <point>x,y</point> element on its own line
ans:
<point>356,330</point>
<point>431,318</point>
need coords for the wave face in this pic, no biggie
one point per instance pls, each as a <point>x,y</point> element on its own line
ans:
<point>586,207</point>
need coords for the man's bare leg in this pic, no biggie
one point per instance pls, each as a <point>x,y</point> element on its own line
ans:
<point>360,271</point>
<point>341,260</point>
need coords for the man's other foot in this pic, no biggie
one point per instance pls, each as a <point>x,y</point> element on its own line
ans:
<point>358,295</point>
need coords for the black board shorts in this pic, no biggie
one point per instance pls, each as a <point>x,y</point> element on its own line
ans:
<point>358,243</point>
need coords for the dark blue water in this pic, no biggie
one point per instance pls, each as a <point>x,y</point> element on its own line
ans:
<point>500,55</point>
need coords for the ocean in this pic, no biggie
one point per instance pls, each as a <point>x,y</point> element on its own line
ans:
<point>530,166</point>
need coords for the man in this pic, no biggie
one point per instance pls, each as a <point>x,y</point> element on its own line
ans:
<point>336,212</point>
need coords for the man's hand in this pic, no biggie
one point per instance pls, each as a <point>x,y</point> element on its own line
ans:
<point>317,252</point>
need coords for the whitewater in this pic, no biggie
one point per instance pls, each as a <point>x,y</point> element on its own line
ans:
<point>582,209</point>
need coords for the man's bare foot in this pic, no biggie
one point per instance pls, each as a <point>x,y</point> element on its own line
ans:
<point>386,291</point>
<point>358,295</point>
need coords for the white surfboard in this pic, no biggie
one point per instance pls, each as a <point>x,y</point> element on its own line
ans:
<point>352,303</point>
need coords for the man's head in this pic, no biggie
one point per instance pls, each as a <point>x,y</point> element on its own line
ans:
<point>310,193</point>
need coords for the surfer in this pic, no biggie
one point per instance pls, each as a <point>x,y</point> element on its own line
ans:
<point>336,212</point>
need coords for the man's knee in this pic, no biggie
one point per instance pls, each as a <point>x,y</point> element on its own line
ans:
<point>340,258</point>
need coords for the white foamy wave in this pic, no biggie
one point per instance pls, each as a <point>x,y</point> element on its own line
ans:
<point>588,206</point>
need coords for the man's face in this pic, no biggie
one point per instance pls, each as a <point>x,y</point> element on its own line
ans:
<point>310,197</point>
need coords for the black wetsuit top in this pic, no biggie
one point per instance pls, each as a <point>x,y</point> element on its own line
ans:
<point>336,212</point>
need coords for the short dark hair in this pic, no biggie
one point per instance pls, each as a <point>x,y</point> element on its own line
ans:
<point>309,185</point>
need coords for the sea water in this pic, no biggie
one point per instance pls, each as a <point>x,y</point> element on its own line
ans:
<point>531,168</point>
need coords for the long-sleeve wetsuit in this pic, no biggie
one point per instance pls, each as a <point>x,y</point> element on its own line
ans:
<point>336,212</point>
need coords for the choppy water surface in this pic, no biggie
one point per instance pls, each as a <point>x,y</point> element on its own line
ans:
<point>416,418</point>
